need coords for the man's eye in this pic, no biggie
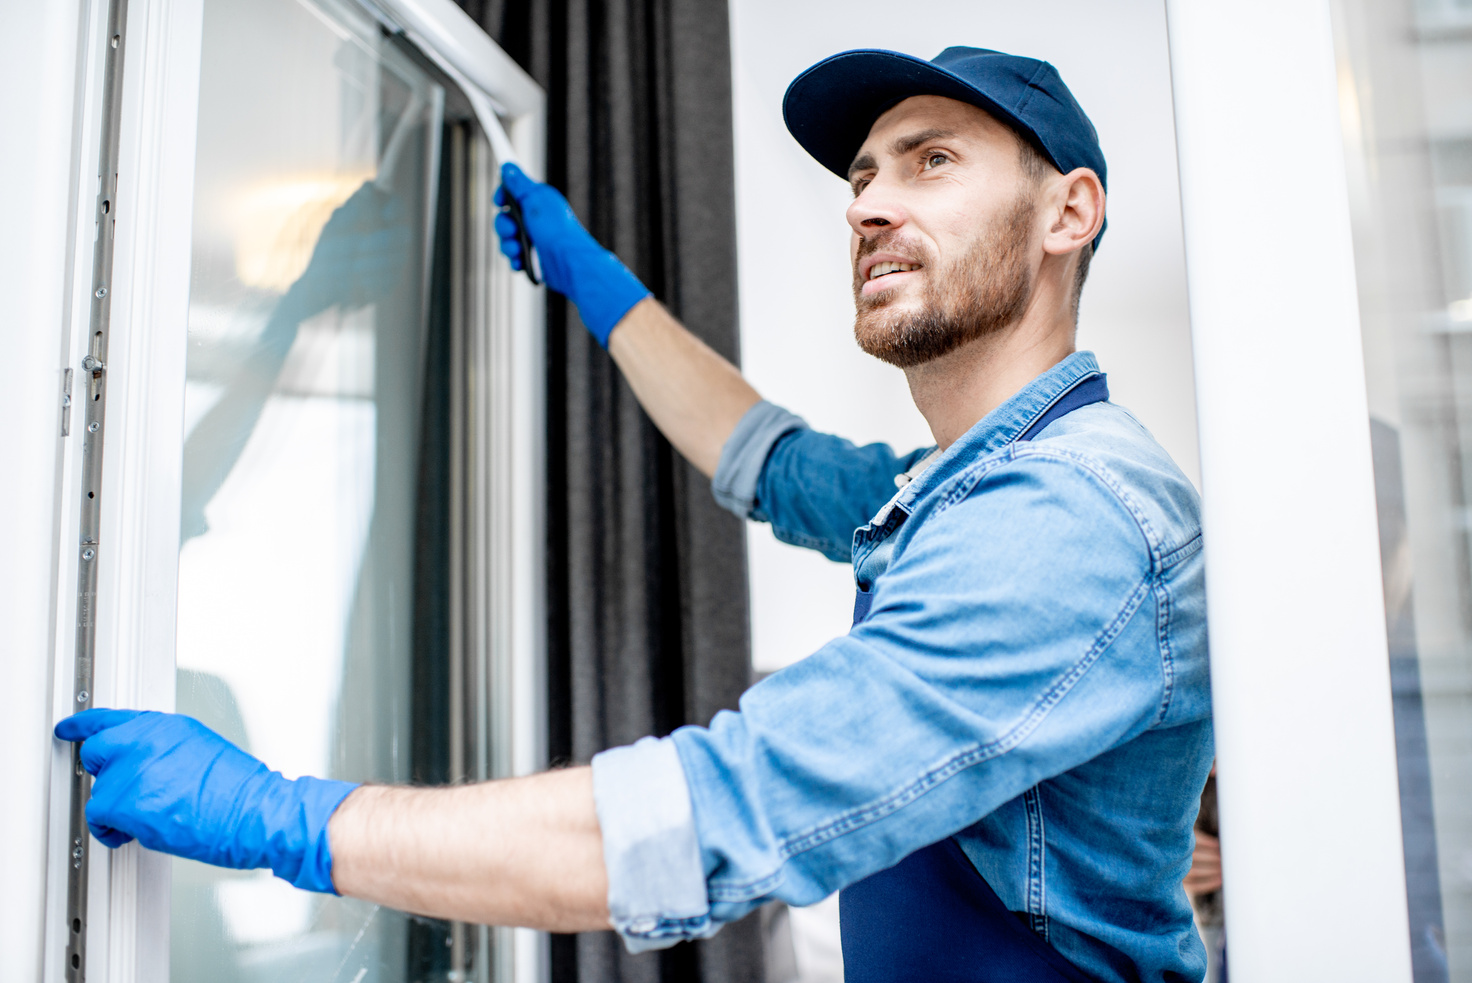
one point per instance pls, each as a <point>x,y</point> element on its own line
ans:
<point>935,160</point>
<point>860,185</point>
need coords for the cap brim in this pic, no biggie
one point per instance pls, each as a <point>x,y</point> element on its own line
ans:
<point>830,108</point>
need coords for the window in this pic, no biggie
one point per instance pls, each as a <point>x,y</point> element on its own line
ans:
<point>1405,97</point>
<point>335,560</point>
<point>314,573</point>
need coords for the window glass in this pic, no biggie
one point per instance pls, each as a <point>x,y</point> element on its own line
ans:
<point>1405,70</point>
<point>303,554</point>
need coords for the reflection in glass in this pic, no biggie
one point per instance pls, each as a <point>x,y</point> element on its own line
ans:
<point>314,201</point>
<point>1405,69</point>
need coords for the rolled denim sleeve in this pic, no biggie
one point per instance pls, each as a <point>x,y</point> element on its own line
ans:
<point>656,884</point>
<point>814,488</point>
<point>745,453</point>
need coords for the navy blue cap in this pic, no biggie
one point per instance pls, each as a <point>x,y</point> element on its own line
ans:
<point>830,107</point>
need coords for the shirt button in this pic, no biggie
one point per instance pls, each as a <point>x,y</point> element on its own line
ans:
<point>643,926</point>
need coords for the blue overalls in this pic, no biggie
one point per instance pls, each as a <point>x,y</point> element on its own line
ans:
<point>932,916</point>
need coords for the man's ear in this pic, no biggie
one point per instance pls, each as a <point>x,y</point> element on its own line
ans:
<point>1078,203</point>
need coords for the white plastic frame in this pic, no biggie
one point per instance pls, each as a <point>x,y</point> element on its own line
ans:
<point>1310,812</point>
<point>128,938</point>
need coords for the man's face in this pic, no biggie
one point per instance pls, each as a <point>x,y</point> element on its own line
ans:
<point>943,218</point>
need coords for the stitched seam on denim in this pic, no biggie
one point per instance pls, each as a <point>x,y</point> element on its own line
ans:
<point>873,812</point>
<point>985,752</point>
<point>967,480</point>
<point>875,535</point>
<point>825,546</point>
<point>1184,551</point>
<point>747,890</point>
<point>1107,478</point>
<point>667,927</point>
<point>912,492</point>
<point>875,539</point>
<point>1002,439</point>
<point>1037,890</point>
<point>1167,663</point>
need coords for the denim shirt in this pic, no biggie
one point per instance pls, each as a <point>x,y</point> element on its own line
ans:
<point>1031,679</point>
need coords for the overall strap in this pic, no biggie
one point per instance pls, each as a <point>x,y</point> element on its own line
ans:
<point>1090,389</point>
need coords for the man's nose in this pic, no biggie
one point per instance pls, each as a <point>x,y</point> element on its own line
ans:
<point>877,206</point>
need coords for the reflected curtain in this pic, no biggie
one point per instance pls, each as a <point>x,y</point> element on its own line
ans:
<point>649,626</point>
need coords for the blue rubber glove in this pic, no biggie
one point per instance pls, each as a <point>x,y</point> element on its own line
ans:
<point>573,263</point>
<point>180,788</point>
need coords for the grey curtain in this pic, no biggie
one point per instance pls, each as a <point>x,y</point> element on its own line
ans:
<point>649,627</point>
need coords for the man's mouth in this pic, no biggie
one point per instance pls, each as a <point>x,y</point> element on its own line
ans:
<point>884,276</point>
<point>884,269</point>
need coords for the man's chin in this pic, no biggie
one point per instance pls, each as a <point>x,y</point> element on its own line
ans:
<point>908,335</point>
<point>882,334</point>
<point>899,356</point>
<point>893,304</point>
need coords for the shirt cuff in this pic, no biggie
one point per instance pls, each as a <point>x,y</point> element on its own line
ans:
<point>745,454</point>
<point>656,881</point>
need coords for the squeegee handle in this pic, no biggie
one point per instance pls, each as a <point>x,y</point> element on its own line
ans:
<point>573,263</point>
<point>513,208</point>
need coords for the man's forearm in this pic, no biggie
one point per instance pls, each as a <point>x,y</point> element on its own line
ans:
<point>692,394</point>
<point>525,851</point>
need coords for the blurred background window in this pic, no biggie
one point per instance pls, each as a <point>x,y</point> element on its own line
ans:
<point>1405,79</point>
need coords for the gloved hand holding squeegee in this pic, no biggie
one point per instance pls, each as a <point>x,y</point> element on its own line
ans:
<point>537,217</point>
<point>573,263</point>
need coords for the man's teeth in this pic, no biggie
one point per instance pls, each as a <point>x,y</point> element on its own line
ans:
<point>879,269</point>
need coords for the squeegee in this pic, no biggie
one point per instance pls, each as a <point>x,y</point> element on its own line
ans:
<point>501,148</point>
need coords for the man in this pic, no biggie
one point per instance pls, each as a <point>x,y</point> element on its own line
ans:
<point>999,765</point>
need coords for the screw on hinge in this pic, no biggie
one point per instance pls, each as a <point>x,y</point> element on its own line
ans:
<point>94,365</point>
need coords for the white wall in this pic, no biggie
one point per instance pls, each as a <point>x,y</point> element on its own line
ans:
<point>797,310</point>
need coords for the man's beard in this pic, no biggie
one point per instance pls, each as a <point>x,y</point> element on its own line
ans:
<point>979,294</point>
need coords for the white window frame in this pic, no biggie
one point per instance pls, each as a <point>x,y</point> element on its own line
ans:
<point>128,937</point>
<point>1309,803</point>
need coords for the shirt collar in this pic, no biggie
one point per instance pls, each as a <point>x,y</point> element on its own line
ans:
<point>1002,425</point>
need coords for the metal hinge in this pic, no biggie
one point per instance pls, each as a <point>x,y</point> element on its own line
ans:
<point>94,364</point>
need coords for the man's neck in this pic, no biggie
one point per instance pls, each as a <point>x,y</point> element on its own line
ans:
<point>956,390</point>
